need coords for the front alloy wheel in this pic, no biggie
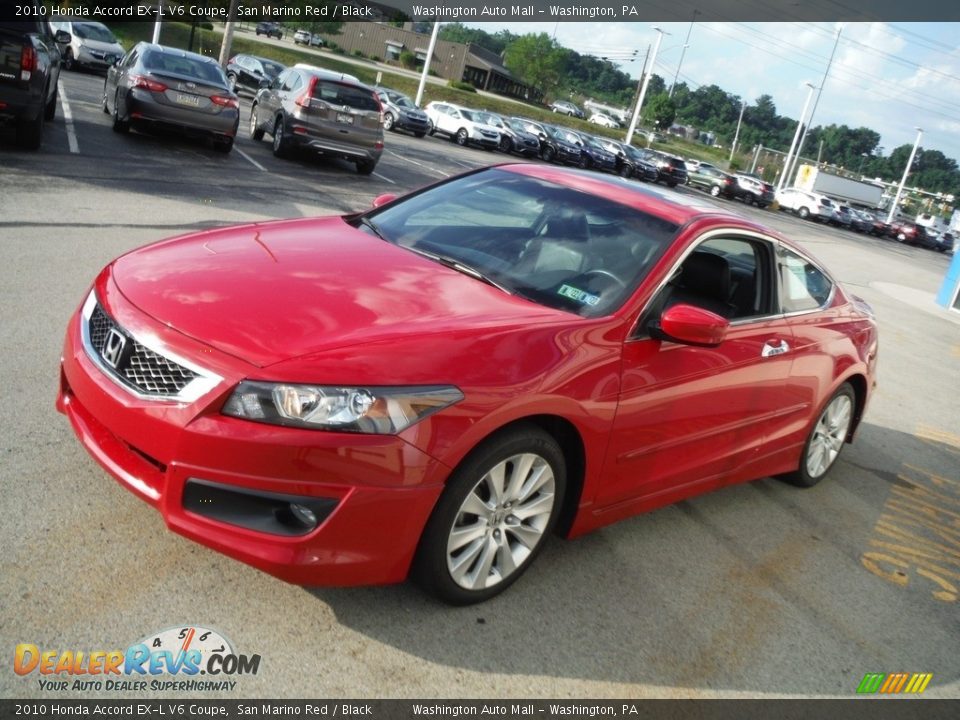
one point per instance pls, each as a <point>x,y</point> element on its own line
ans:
<point>493,517</point>
<point>826,439</point>
<point>462,137</point>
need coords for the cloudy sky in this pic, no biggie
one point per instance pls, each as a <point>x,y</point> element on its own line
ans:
<point>891,77</point>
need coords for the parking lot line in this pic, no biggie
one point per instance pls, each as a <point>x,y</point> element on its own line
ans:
<point>420,164</point>
<point>68,117</point>
<point>251,160</point>
<point>376,174</point>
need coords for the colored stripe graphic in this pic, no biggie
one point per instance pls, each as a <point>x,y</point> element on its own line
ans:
<point>894,683</point>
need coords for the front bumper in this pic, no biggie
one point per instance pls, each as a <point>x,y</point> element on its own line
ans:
<point>381,489</point>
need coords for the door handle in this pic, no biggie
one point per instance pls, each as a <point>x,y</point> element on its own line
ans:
<point>774,347</point>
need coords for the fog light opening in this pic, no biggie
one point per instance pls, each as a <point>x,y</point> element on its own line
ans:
<point>297,515</point>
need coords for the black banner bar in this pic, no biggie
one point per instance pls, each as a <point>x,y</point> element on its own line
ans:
<point>891,708</point>
<point>495,11</point>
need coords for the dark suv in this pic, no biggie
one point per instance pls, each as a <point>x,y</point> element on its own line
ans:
<point>270,29</point>
<point>670,169</point>
<point>29,70</point>
<point>249,72</point>
<point>752,189</point>
<point>330,113</point>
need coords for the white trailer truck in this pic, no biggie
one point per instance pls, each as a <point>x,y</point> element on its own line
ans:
<point>844,189</point>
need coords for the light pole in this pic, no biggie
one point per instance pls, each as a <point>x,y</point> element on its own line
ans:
<point>796,137</point>
<point>736,135</point>
<point>863,156</point>
<point>646,82</point>
<point>426,63</point>
<point>903,180</point>
<point>686,44</point>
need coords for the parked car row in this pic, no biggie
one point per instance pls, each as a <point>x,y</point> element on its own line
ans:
<point>814,206</point>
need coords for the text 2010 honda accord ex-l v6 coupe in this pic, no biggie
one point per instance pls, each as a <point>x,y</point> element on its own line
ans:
<point>434,386</point>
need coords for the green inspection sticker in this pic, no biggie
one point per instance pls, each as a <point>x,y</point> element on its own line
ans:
<point>578,295</point>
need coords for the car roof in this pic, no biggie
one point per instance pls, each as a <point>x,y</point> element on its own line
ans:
<point>330,75</point>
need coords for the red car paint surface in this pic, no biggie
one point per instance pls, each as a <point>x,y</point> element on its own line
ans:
<point>643,421</point>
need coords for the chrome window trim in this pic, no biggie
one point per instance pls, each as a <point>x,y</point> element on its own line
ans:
<point>195,389</point>
<point>833,283</point>
<point>742,232</point>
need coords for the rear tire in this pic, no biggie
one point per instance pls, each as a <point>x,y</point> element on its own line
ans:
<point>50,109</point>
<point>256,132</point>
<point>803,213</point>
<point>419,134</point>
<point>280,145</point>
<point>365,167</point>
<point>68,59</point>
<point>30,132</point>
<point>826,439</point>
<point>715,191</point>
<point>224,145</point>
<point>232,82</point>
<point>388,121</point>
<point>119,125</point>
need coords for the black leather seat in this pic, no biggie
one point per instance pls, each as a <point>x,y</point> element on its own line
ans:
<point>705,283</point>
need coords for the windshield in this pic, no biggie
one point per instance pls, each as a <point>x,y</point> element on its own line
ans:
<point>400,100</point>
<point>271,68</point>
<point>91,31</point>
<point>550,244</point>
<point>488,119</point>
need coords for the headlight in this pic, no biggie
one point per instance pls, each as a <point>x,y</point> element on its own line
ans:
<point>379,410</point>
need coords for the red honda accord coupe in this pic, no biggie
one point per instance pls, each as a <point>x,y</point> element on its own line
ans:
<point>432,387</point>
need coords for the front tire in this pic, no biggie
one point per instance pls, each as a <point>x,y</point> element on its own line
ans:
<point>826,438</point>
<point>30,132</point>
<point>549,154</point>
<point>50,109</point>
<point>232,82</point>
<point>388,121</point>
<point>715,191</point>
<point>119,125</point>
<point>280,149</point>
<point>462,137</point>
<point>493,517</point>
<point>804,213</point>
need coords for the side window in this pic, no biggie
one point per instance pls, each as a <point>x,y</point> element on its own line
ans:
<point>729,276</point>
<point>280,79</point>
<point>131,59</point>
<point>292,81</point>
<point>803,286</point>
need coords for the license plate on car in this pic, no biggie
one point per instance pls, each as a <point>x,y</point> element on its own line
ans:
<point>345,118</point>
<point>191,100</point>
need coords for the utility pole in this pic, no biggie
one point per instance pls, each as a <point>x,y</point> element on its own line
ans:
<point>736,135</point>
<point>686,44</point>
<point>426,63</point>
<point>819,93</point>
<point>228,34</point>
<point>793,146</point>
<point>646,83</point>
<point>903,180</point>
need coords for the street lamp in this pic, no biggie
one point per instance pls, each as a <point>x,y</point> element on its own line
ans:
<point>903,180</point>
<point>796,137</point>
<point>646,82</point>
<point>863,156</point>
<point>686,44</point>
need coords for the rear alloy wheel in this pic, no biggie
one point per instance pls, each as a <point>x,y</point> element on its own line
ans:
<point>279,138</point>
<point>462,137</point>
<point>232,82</point>
<point>715,191</point>
<point>826,439</point>
<point>493,517</point>
<point>103,100</point>
<point>256,132</point>
<point>388,121</point>
<point>119,125</point>
<point>804,213</point>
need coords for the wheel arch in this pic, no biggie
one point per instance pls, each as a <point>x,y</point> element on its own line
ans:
<point>859,384</point>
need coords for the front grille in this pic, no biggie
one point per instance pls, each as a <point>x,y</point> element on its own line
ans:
<point>137,366</point>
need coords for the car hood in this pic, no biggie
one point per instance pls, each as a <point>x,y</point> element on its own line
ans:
<point>276,291</point>
<point>101,46</point>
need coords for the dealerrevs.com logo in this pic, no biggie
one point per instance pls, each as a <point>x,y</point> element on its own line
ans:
<point>170,660</point>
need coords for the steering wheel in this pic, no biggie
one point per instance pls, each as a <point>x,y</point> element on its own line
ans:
<point>607,274</point>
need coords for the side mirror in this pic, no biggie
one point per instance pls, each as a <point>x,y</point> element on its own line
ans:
<point>383,199</point>
<point>691,325</point>
<point>63,37</point>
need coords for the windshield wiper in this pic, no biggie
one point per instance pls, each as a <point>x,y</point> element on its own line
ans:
<point>367,222</point>
<point>462,267</point>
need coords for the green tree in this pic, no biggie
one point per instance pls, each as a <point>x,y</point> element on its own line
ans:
<point>536,60</point>
<point>659,110</point>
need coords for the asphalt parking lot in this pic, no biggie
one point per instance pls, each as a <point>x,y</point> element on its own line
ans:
<point>756,590</point>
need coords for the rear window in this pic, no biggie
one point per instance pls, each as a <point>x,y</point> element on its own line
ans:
<point>160,62</point>
<point>352,97</point>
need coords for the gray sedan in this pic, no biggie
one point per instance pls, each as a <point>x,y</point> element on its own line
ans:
<point>155,85</point>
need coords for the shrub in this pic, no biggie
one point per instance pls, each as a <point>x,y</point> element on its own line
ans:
<point>408,60</point>
<point>358,53</point>
<point>465,86</point>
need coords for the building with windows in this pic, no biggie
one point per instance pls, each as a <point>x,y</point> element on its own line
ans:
<point>451,60</point>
